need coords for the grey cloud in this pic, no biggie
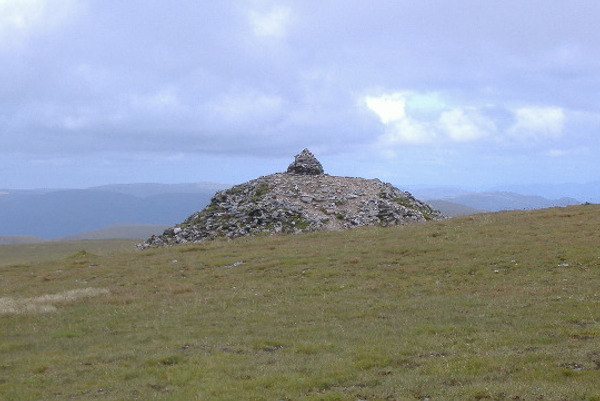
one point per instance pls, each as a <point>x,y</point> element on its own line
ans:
<point>194,76</point>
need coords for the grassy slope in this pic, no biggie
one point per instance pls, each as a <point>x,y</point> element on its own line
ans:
<point>20,239</point>
<point>26,254</point>
<point>502,306</point>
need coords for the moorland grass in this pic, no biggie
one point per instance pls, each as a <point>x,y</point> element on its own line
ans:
<point>41,252</point>
<point>501,306</point>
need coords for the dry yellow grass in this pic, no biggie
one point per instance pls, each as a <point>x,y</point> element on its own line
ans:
<point>48,302</point>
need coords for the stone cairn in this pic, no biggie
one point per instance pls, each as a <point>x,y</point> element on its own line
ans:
<point>305,163</point>
<point>303,199</point>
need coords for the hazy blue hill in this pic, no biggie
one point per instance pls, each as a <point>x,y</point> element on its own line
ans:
<point>118,231</point>
<point>496,201</point>
<point>428,193</point>
<point>67,212</point>
<point>452,209</point>
<point>63,212</point>
<point>52,213</point>
<point>151,189</point>
<point>524,198</point>
<point>588,192</point>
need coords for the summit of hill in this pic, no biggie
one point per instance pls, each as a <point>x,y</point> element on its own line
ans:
<point>302,199</point>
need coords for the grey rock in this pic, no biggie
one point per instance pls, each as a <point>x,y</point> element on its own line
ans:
<point>291,203</point>
<point>305,163</point>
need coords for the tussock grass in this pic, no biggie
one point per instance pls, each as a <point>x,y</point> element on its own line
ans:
<point>501,306</point>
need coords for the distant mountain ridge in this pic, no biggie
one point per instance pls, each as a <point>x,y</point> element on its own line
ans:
<point>588,192</point>
<point>118,231</point>
<point>55,213</point>
<point>497,201</point>
<point>152,189</point>
<point>452,209</point>
<point>51,214</point>
<point>491,201</point>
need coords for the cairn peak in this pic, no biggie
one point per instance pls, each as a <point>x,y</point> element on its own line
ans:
<point>304,199</point>
<point>305,163</point>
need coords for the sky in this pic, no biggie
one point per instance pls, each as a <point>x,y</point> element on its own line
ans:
<point>465,93</point>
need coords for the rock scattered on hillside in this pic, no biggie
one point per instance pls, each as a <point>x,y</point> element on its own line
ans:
<point>303,199</point>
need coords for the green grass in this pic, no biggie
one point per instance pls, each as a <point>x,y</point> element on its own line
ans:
<point>502,306</point>
<point>46,251</point>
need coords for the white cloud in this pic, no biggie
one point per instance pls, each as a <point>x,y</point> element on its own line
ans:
<point>538,122</point>
<point>410,117</point>
<point>400,127</point>
<point>465,125</point>
<point>272,23</point>
<point>20,15</point>
<point>420,118</point>
<point>389,108</point>
<point>20,19</point>
<point>427,105</point>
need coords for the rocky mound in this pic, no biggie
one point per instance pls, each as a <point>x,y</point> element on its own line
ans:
<point>303,199</point>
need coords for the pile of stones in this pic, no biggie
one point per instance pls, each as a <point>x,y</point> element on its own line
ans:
<point>303,199</point>
<point>306,163</point>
